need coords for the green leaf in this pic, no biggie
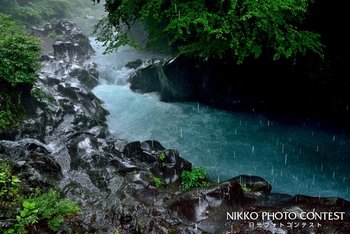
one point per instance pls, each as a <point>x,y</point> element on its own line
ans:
<point>242,29</point>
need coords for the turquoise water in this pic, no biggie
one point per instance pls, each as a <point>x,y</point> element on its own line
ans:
<point>294,159</point>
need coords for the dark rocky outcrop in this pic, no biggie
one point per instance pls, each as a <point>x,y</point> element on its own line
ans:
<point>254,183</point>
<point>72,45</point>
<point>134,64</point>
<point>88,76</point>
<point>163,163</point>
<point>147,79</point>
<point>184,79</point>
<point>279,89</point>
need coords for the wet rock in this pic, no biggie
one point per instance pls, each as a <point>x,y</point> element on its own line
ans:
<point>147,79</point>
<point>151,146</point>
<point>32,129</point>
<point>207,207</point>
<point>88,78</point>
<point>134,64</point>
<point>123,167</point>
<point>170,79</point>
<point>37,31</point>
<point>333,203</point>
<point>255,183</point>
<point>273,200</point>
<point>83,150</point>
<point>68,51</point>
<point>170,166</point>
<point>32,162</point>
<point>44,57</point>
<point>99,132</point>
<point>92,69</point>
<point>166,164</point>
<point>74,45</point>
<point>134,151</point>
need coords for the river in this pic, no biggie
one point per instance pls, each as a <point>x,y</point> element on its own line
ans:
<point>295,159</point>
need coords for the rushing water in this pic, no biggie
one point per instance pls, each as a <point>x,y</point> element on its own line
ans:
<point>294,159</point>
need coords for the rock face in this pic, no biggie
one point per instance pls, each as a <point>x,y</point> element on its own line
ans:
<point>247,87</point>
<point>154,78</point>
<point>181,79</point>
<point>66,145</point>
<point>72,45</point>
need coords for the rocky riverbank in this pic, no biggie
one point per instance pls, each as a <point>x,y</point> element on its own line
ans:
<point>66,145</point>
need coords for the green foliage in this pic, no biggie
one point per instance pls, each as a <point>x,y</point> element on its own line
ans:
<point>41,95</point>
<point>11,111</point>
<point>157,181</point>
<point>36,12</point>
<point>197,177</point>
<point>18,64</point>
<point>6,118</point>
<point>47,207</point>
<point>239,28</point>
<point>9,187</point>
<point>39,12</point>
<point>162,156</point>
<point>245,188</point>
<point>18,53</point>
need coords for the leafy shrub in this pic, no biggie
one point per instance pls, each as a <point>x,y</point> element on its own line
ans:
<point>162,156</point>
<point>48,207</point>
<point>11,110</point>
<point>197,177</point>
<point>9,187</point>
<point>41,95</point>
<point>18,64</point>
<point>19,52</point>
<point>6,118</point>
<point>157,181</point>
<point>245,188</point>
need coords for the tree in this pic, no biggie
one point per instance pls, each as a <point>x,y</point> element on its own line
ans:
<point>19,52</point>
<point>239,28</point>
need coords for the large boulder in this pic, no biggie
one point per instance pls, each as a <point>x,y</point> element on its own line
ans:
<point>88,78</point>
<point>134,64</point>
<point>163,163</point>
<point>254,183</point>
<point>32,161</point>
<point>177,79</point>
<point>206,208</point>
<point>146,80</point>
